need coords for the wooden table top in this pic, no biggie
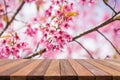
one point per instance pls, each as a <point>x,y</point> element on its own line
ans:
<point>69,69</point>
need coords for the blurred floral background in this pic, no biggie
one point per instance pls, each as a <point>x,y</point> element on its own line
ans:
<point>59,29</point>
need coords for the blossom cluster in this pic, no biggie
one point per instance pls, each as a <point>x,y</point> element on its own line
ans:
<point>54,30</point>
<point>11,46</point>
<point>36,25</point>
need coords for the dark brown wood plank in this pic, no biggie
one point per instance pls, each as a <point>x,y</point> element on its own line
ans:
<point>98,73</point>
<point>114,73</point>
<point>53,71</point>
<point>81,71</point>
<point>22,73</point>
<point>39,72</point>
<point>67,72</point>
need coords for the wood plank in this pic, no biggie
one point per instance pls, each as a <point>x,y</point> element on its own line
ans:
<point>109,70</point>
<point>103,67</point>
<point>110,64</point>
<point>22,73</point>
<point>114,63</point>
<point>81,71</point>
<point>10,65</point>
<point>16,68</point>
<point>39,72</point>
<point>6,67</point>
<point>3,62</point>
<point>53,71</point>
<point>98,73</point>
<point>114,60</point>
<point>67,72</point>
<point>117,60</point>
<point>59,69</point>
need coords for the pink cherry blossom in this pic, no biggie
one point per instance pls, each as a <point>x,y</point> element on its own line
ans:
<point>29,1</point>
<point>29,26</point>
<point>1,25</point>
<point>31,31</point>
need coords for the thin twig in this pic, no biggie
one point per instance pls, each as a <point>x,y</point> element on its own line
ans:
<point>97,27</point>
<point>84,49</point>
<point>35,54</point>
<point>20,21</point>
<point>37,46</point>
<point>110,7</point>
<point>108,41</point>
<point>6,27</point>
<point>114,6</point>
<point>6,13</point>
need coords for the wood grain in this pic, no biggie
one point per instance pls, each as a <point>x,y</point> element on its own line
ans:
<point>63,69</point>
<point>5,62</point>
<point>67,72</point>
<point>53,71</point>
<point>104,68</point>
<point>22,73</point>
<point>110,64</point>
<point>39,71</point>
<point>114,61</point>
<point>109,70</point>
<point>16,68</point>
<point>10,65</point>
<point>99,74</point>
<point>81,71</point>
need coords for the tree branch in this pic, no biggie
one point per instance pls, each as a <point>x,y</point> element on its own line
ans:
<point>37,46</point>
<point>82,34</point>
<point>85,49</point>
<point>110,7</point>
<point>17,11</point>
<point>35,54</point>
<point>108,41</point>
<point>95,28</point>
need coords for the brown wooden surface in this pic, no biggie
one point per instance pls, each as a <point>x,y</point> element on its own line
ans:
<point>71,69</point>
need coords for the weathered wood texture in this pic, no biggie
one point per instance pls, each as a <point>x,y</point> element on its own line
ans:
<point>71,69</point>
